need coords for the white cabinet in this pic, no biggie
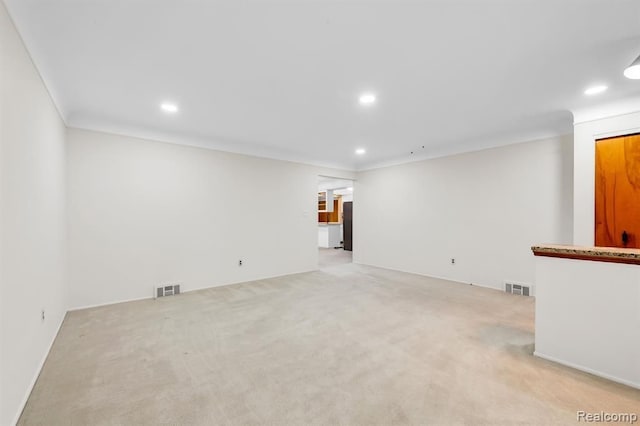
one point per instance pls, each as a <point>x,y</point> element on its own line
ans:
<point>329,235</point>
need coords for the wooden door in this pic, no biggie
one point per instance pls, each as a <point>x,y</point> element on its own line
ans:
<point>347,210</point>
<point>617,192</point>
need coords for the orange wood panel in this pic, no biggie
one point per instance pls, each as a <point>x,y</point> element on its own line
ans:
<point>326,217</point>
<point>617,192</point>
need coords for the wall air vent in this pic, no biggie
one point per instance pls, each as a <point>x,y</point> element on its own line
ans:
<point>166,290</point>
<point>517,288</point>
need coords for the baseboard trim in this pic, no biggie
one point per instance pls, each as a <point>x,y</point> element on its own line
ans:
<point>431,276</point>
<point>269,277</point>
<point>23,403</point>
<point>587,370</point>
<point>98,305</point>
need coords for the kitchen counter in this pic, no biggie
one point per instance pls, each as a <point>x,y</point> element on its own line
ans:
<point>599,254</point>
<point>588,309</point>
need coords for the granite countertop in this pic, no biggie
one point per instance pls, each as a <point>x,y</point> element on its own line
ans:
<point>604,254</point>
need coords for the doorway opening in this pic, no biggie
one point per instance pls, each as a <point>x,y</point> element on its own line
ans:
<point>335,221</point>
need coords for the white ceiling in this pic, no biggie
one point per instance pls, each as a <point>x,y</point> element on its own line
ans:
<point>280,78</point>
<point>325,182</point>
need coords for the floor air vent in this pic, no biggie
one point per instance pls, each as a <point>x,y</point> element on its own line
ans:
<point>167,290</point>
<point>515,288</point>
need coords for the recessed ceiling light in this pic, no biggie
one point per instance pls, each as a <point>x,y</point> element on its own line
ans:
<point>633,70</point>
<point>361,151</point>
<point>367,99</point>
<point>169,107</point>
<point>595,90</point>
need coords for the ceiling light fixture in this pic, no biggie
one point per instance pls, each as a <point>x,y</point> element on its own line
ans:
<point>169,107</point>
<point>595,90</point>
<point>361,151</point>
<point>367,99</point>
<point>633,70</point>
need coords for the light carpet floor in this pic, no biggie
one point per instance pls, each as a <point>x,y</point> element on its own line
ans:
<point>328,257</point>
<point>348,345</point>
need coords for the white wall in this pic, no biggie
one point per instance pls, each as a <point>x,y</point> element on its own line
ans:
<point>32,224</point>
<point>143,213</point>
<point>485,209</point>
<point>568,331</point>
<point>585,135</point>
<point>347,197</point>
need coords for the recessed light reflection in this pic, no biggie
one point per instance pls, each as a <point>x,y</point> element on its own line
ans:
<point>367,99</point>
<point>595,90</point>
<point>169,107</point>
